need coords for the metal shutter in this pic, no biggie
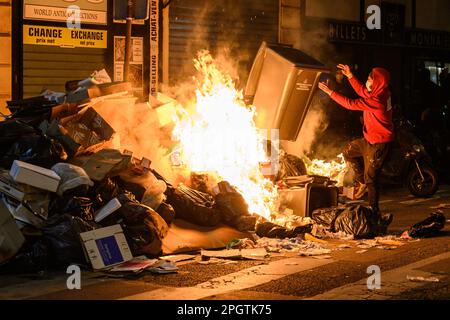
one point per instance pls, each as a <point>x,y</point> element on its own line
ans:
<point>239,25</point>
<point>47,67</point>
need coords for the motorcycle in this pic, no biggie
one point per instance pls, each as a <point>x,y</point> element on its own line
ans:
<point>408,163</point>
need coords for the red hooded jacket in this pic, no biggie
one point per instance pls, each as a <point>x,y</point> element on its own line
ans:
<point>376,105</point>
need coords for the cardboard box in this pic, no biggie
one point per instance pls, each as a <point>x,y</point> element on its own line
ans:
<point>106,247</point>
<point>106,210</point>
<point>11,239</point>
<point>349,192</point>
<point>35,176</point>
<point>89,129</point>
<point>9,187</point>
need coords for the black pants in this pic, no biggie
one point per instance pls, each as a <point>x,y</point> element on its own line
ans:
<point>366,161</point>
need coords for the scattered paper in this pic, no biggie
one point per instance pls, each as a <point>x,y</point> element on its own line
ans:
<point>216,261</point>
<point>136,265</point>
<point>178,257</point>
<point>313,252</point>
<point>441,206</point>
<point>422,279</point>
<point>163,267</point>
<point>322,257</point>
<point>252,254</point>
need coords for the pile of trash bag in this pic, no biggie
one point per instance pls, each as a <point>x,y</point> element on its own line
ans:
<point>352,219</point>
<point>62,176</point>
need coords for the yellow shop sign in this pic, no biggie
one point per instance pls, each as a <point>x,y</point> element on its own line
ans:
<point>64,37</point>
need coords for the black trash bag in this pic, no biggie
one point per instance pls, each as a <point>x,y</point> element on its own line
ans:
<point>359,221</point>
<point>79,207</point>
<point>271,230</point>
<point>234,208</point>
<point>35,149</point>
<point>63,235</point>
<point>11,130</point>
<point>290,166</point>
<point>105,191</point>
<point>143,227</point>
<point>33,257</point>
<point>193,206</point>
<point>166,212</point>
<point>327,216</point>
<point>428,227</point>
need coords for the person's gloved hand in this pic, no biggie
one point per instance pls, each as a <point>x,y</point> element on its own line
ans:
<point>324,87</point>
<point>346,70</point>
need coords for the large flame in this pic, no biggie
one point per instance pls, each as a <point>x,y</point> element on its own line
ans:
<point>334,169</point>
<point>220,137</point>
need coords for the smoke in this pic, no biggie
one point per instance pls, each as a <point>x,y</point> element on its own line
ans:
<point>138,129</point>
<point>224,29</point>
<point>315,123</point>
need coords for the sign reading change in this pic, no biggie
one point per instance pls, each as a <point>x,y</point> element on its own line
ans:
<point>64,37</point>
<point>91,11</point>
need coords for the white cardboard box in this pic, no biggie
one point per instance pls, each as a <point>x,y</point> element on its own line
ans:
<point>106,210</point>
<point>35,176</point>
<point>106,247</point>
<point>11,239</point>
<point>10,187</point>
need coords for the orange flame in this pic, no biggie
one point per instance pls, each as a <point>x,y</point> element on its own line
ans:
<point>334,169</point>
<point>220,137</point>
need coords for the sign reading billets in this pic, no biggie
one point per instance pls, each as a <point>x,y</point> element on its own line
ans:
<point>91,11</point>
<point>64,37</point>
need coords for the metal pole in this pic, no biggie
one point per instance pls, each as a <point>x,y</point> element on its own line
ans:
<point>130,15</point>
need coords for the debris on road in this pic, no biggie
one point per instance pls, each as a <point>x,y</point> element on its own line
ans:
<point>422,279</point>
<point>427,228</point>
<point>178,257</point>
<point>249,254</point>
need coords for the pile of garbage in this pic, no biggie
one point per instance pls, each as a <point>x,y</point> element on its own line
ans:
<point>69,194</point>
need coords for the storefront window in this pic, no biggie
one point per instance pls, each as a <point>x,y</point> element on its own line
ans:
<point>436,69</point>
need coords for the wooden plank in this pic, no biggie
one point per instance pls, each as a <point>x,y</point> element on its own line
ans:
<point>5,19</point>
<point>5,45</point>
<point>5,80</point>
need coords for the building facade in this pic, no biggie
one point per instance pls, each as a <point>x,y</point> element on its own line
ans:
<point>414,36</point>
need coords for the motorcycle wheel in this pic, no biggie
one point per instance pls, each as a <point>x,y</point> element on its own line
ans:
<point>426,187</point>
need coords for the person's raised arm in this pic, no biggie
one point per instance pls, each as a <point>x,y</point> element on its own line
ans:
<point>359,88</point>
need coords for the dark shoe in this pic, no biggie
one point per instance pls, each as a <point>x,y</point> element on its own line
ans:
<point>385,221</point>
<point>387,218</point>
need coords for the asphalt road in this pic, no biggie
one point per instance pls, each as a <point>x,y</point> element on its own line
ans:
<point>283,276</point>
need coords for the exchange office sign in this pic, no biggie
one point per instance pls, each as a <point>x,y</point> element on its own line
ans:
<point>64,37</point>
<point>91,11</point>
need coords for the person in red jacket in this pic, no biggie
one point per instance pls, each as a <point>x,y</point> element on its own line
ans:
<point>366,155</point>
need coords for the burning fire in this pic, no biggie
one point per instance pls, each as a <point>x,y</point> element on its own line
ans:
<point>334,170</point>
<point>219,137</point>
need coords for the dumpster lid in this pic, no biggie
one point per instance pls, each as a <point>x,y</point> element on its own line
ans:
<point>295,56</point>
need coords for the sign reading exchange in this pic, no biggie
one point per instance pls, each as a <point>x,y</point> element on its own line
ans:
<point>91,11</point>
<point>64,37</point>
